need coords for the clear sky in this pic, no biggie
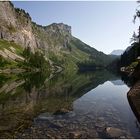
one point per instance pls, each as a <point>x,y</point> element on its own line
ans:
<point>103,25</point>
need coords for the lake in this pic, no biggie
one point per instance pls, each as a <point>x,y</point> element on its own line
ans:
<point>67,105</point>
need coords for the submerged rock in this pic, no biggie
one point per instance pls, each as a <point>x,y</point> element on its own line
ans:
<point>100,125</point>
<point>114,132</point>
<point>61,111</point>
<point>74,135</point>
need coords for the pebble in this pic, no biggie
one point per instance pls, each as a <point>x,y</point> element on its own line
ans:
<point>75,135</point>
<point>59,124</point>
<point>100,125</point>
<point>114,132</point>
<point>122,137</point>
<point>23,135</point>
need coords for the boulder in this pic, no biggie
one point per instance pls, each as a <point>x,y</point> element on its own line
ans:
<point>114,132</point>
<point>75,135</point>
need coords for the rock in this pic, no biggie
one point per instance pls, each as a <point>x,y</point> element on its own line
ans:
<point>114,132</point>
<point>59,124</point>
<point>100,125</point>
<point>61,111</point>
<point>72,114</point>
<point>75,135</point>
<point>23,135</point>
<point>58,137</point>
<point>122,137</point>
<point>90,133</point>
<point>130,137</point>
<point>101,118</point>
<point>49,136</point>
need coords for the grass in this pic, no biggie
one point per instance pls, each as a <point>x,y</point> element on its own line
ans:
<point>133,64</point>
<point>12,47</point>
<point>7,45</point>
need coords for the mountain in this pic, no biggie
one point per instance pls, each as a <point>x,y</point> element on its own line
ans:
<point>117,52</point>
<point>19,36</point>
<point>117,82</point>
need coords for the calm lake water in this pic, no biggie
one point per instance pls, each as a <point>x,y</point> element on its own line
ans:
<point>68,105</point>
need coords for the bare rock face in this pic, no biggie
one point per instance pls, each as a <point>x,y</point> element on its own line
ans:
<point>10,55</point>
<point>59,34</point>
<point>16,26</point>
<point>75,135</point>
<point>59,28</point>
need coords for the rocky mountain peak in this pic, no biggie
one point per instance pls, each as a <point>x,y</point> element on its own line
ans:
<point>60,34</point>
<point>16,26</point>
<point>117,52</point>
<point>61,28</point>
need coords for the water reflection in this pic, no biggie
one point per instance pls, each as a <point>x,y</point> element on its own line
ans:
<point>117,82</point>
<point>89,102</point>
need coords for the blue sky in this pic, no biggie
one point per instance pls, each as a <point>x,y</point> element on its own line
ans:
<point>104,25</point>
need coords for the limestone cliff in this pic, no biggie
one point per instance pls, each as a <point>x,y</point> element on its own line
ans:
<point>55,40</point>
<point>16,25</point>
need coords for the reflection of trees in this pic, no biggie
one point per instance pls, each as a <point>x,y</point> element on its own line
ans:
<point>17,105</point>
<point>62,86</point>
<point>33,80</point>
<point>129,81</point>
<point>3,79</point>
<point>78,84</point>
<point>36,95</point>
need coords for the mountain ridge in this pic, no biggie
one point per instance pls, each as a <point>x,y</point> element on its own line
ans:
<point>117,52</point>
<point>55,41</point>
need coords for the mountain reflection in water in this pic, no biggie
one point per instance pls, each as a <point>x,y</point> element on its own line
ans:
<point>69,105</point>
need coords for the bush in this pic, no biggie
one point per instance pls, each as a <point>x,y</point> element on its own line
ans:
<point>35,60</point>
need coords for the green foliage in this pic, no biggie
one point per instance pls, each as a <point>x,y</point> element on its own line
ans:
<point>134,64</point>
<point>114,66</point>
<point>73,51</point>
<point>26,53</point>
<point>88,65</point>
<point>3,62</point>
<point>12,5</point>
<point>33,80</point>
<point>131,55</point>
<point>22,13</point>
<point>3,79</point>
<point>58,60</point>
<point>22,17</point>
<point>79,55</point>
<point>98,58</point>
<point>34,60</point>
<point>8,44</point>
